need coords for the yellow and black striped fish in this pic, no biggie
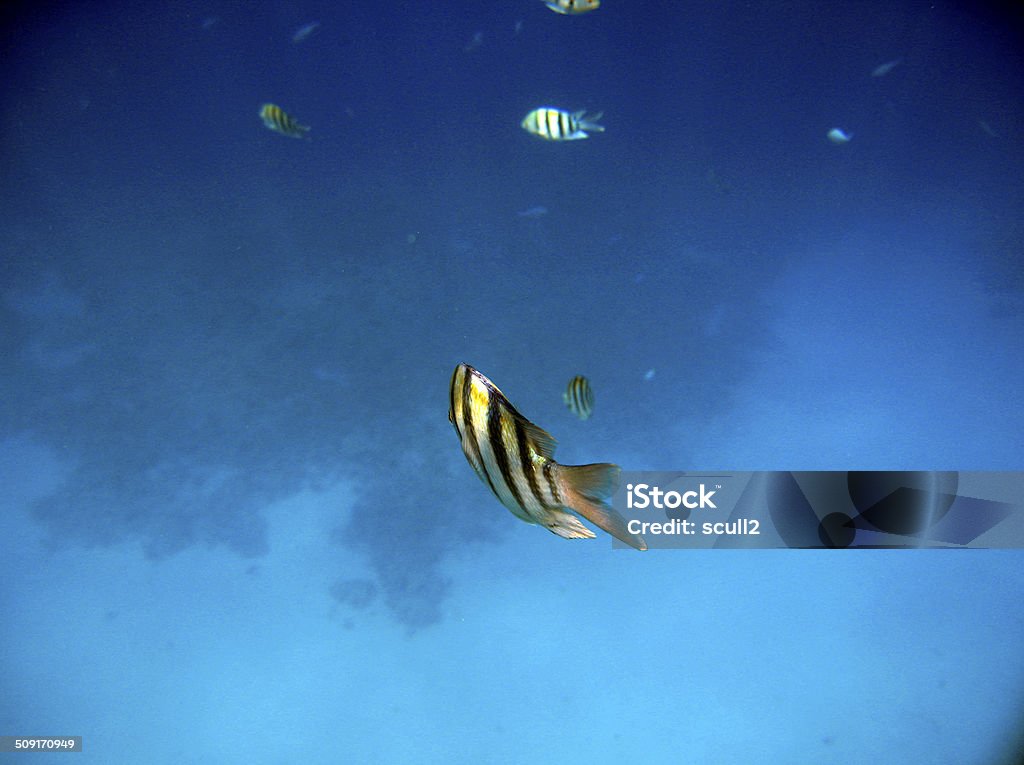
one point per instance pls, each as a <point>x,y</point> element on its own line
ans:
<point>559,125</point>
<point>275,118</point>
<point>579,397</point>
<point>515,458</point>
<point>572,6</point>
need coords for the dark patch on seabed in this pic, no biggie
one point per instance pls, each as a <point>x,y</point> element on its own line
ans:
<point>187,392</point>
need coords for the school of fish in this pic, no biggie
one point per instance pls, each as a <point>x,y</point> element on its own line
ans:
<point>511,455</point>
<point>545,122</point>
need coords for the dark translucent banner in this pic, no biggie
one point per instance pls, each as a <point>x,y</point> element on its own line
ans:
<point>824,509</point>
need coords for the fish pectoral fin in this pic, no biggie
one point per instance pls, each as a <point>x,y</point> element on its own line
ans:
<point>586,489</point>
<point>543,440</point>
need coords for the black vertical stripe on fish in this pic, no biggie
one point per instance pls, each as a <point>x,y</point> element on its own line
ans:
<point>452,418</point>
<point>459,394</point>
<point>492,427</point>
<point>500,450</point>
<point>526,463</point>
<point>477,459</point>
<point>549,476</point>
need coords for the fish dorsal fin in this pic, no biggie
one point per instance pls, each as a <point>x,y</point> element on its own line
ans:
<point>544,441</point>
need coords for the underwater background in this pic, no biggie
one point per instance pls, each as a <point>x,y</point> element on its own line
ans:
<point>235,524</point>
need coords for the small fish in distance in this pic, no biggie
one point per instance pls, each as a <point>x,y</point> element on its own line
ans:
<point>883,69</point>
<point>579,397</point>
<point>560,125</point>
<point>275,118</point>
<point>838,136</point>
<point>305,31</point>
<point>572,7</point>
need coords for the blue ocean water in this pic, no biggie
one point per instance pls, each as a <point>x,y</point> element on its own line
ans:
<point>236,524</point>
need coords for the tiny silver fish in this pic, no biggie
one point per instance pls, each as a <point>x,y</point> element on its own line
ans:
<point>474,42</point>
<point>883,69</point>
<point>305,31</point>
<point>837,135</point>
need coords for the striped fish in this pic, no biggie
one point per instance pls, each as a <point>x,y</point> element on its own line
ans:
<point>572,6</point>
<point>559,125</point>
<point>275,118</point>
<point>579,397</point>
<point>515,458</point>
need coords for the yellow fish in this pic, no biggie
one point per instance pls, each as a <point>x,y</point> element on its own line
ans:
<point>275,118</point>
<point>572,6</point>
<point>515,458</point>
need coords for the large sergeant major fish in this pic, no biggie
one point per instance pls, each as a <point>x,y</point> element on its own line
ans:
<point>515,458</point>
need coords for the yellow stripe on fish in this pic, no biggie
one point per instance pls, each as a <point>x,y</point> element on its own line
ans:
<point>579,397</point>
<point>515,458</point>
<point>560,125</point>
<point>275,118</point>
<point>572,6</point>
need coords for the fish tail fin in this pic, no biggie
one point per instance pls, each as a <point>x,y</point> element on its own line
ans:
<point>589,121</point>
<point>586,489</point>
